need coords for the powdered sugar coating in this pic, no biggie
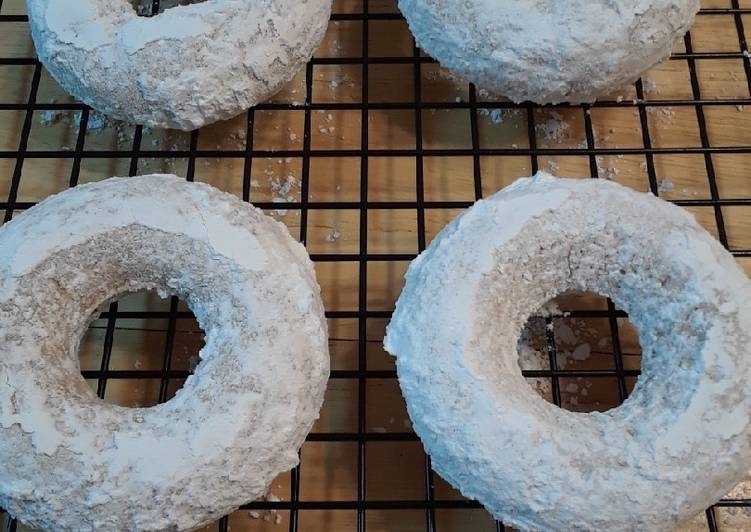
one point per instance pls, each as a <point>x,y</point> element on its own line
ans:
<point>549,51</point>
<point>187,67</point>
<point>681,440</point>
<point>72,462</point>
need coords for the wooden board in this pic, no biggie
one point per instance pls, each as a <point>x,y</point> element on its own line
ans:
<point>409,199</point>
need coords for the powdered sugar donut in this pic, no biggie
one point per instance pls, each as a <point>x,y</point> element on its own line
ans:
<point>549,51</point>
<point>184,68</point>
<point>680,441</point>
<point>69,461</point>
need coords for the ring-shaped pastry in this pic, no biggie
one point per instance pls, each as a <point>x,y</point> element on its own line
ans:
<point>549,51</point>
<point>681,440</point>
<point>187,67</point>
<point>68,460</point>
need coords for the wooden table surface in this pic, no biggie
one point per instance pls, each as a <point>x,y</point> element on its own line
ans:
<point>704,169</point>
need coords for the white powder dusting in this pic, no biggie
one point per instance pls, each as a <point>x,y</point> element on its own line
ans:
<point>507,48</point>
<point>494,115</point>
<point>53,429</point>
<point>554,128</point>
<point>582,352</point>
<point>665,185</point>
<point>480,278</point>
<point>333,236</point>
<point>131,68</point>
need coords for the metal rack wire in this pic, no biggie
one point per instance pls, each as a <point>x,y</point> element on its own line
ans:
<point>362,373</point>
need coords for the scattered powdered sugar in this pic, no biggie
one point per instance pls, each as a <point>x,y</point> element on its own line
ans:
<point>573,339</point>
<point>121,133</point>
<point>50,117</point>
<point>282,187</point>
<point>552,309</point>
<point>553,166</point>
<point>606,170</point>
<point>97,121</point>
<point>326,127</point>
<point>582,352</point>
<point>333,236</point>
<point>494,115</point>
<point>270,516</point>
<point>554,128</point>
<point>650,86</point>
<point>565,333</point>
<point>283,190</point>
<point>665,186</point>
<point>342,80</point>
<point>663,115</point>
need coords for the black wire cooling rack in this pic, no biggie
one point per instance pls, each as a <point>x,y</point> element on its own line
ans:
<point>432,505</point>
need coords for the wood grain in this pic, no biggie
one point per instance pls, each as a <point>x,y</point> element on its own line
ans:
<point>395,470</point>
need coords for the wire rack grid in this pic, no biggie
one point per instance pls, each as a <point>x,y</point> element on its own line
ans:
<point>383,148</point>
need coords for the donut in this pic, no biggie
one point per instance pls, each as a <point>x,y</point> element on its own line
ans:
<point>187,67</point>
<point>679,442</point>
<point>71,462</point>
<point>549,51</point>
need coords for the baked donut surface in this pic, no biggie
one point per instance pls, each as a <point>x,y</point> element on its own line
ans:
<point>549,51</point>
<point>69,461</point>
<point>184,68</point>
<point>681,440</point>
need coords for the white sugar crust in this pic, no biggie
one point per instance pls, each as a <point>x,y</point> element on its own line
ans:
<point>184,68</point>
<point>549,51</point>
<point>69,461</point>
<point>678,444</point>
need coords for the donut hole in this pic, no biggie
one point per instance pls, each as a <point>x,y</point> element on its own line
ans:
<point>580,352</point>
<point>140,349</point>
<point>145,8</point>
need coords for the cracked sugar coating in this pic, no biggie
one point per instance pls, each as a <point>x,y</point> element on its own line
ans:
<point>187,67</point>
<point>549,51</point>
<point>69,461</point>
<point>679,442</point>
